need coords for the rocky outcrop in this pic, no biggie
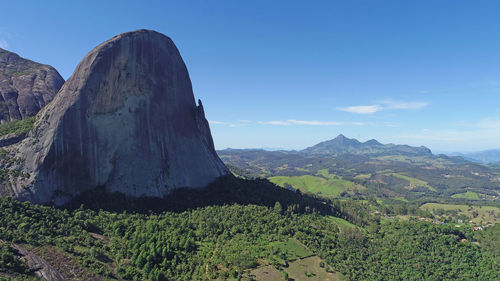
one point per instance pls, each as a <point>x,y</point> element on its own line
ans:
<point>25,86</point>
<point>11,139</point>
<point>126,120</point>
<point>38,265</point>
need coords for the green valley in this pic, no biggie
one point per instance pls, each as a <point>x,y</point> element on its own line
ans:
<point>349,168</point>
<point>322,183</point>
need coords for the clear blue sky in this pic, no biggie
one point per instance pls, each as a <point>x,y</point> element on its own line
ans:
<point>290,74</point>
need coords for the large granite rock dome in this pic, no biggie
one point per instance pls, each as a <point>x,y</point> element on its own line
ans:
<point>25,86</point>
<point>126,120</point>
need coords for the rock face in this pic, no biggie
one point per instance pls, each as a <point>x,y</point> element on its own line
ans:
<point>126,120</point>
<point>25,86</point>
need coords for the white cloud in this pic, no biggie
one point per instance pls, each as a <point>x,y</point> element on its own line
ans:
<point>488,123</point>
<point>390,104</point>
<point>362,109</point>
<point>217,122</point>
<point>383,105</point>
<point>309,123</point>
<point>480,135</point>
<point>288,122</point>
<point>3,44</point>
<point>232,125</point>
<point>278,123</point>
<point>315,123</point>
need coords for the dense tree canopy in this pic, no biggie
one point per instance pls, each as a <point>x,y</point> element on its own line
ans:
<point>223,241</point>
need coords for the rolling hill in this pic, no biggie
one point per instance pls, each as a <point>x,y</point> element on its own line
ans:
<point>395,172</point>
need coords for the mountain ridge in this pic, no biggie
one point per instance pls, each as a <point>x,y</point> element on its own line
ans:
<point>342,144</point>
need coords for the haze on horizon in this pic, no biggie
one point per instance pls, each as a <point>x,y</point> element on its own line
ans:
<point>290,74</point>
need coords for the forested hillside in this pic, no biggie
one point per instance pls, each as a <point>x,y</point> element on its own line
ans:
<point>233,236</point>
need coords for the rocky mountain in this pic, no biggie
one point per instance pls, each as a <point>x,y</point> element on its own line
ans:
<point>25,86</point>
<point>343,145</point>
<point>126,120</point>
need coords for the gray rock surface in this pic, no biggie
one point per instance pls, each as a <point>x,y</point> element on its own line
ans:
<point>126,120</point>
<point>25,86</point>
<point>11,139</point>
<point>38,265</point>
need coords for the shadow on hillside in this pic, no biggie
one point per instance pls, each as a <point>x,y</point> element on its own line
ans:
<point>223,191</point>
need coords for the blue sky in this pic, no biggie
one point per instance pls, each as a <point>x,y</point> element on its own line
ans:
<point>290,74</point>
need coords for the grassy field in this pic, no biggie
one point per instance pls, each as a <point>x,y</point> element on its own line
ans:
<point>324,173</point>
<point>302,263</point>
<point>292,249</point>
<point>467,195</point>
<point>484,213</point>
<point>363,176</point>
<point>342,224</point>
<point>265,273</point>
<point>414,182</point>
<point>322,184</point>
<point>309,269</point>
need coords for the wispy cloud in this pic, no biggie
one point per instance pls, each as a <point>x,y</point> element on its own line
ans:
<point>483,134</point>
<point>278,123</point>
<point>295,122</point>
<point>390,104</point>
<point>383,105</point>
<point>3,44</point>
<point>241,123</point>
<point>217,122</point>
<point>308,123</point>
<point>489,124</point>
<point>288,122</point>
<point>362,109</point>
<point>315,123</point>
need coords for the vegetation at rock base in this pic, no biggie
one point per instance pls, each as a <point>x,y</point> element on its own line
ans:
<point>229,233</point>
<point>9,260</point>
<point>17,126</point>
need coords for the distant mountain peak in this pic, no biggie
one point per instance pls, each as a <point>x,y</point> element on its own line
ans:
<point>342,138</point>
<point>344,145</point>
<point>372,142</point>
